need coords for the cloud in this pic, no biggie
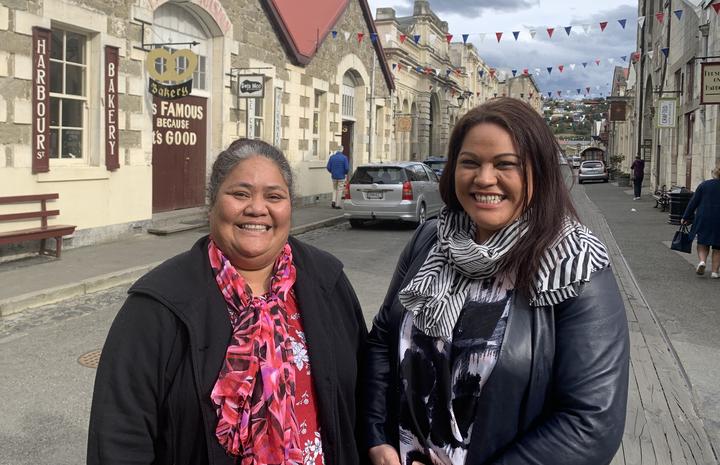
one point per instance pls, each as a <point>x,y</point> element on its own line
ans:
<point>474,9</point>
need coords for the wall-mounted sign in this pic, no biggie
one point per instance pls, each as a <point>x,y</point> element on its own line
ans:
<point>618,111</point>
<point>112,157</point>
<point>251,86</point>
<point>710,83</point>
<point>667,113</point>
<point>41,100</point>
<point>404,124</point>
<point>161,64</point>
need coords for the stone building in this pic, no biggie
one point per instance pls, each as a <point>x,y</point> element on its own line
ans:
<point>522,87</point>
<point>621,143</point>
<point>77,116</point>
<point>673,129</point>
<point>436,79</point>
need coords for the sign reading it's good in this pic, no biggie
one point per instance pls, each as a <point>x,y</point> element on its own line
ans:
<point>710,83</point>
<point>161,64</point>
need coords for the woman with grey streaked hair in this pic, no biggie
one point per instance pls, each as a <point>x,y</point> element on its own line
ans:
<point>209,360</point>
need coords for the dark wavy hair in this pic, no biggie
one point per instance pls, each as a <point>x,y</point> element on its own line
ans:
<point>538,151</point>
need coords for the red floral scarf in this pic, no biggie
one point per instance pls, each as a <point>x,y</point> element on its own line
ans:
<point>255,390</point>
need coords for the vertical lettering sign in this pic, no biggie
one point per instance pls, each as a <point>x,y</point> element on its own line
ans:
<point>112,158</point>
<point>41,100</point>
<point>710,83</point>
<point>277,133</point>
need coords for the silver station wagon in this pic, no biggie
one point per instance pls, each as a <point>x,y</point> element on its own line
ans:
<point>405,191</point>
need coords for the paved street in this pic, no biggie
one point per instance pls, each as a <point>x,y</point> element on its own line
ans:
<point>46,391</point>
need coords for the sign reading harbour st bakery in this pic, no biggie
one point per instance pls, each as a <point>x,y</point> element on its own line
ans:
<point>168,72</point>
<point>710,83</point>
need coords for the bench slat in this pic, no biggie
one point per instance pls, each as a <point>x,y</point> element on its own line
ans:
<point>10,237</point>
<point>28,198</point>
<point>27,215</point>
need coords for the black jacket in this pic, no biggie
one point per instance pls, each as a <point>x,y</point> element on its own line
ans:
<point>558,392</point>
<point>161,359</point>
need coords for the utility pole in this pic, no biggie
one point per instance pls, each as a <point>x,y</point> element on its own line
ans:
<point>371,137</point>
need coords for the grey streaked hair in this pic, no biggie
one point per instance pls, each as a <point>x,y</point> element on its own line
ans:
<point>716,172</point>
<point>240,150</point>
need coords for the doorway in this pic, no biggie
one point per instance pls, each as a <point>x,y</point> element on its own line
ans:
<point>346,140</point>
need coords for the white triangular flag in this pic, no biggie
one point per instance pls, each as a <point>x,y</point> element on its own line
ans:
<point>482,36</point>
<point>641,21</point>
<point>586,28</point>
<point>611,60</point>
<point>347,35</point>
<point>651,53</point>
<point>572,66</point>
<point>532,33</point>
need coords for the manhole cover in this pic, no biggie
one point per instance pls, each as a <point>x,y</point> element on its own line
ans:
<point>90,359</point>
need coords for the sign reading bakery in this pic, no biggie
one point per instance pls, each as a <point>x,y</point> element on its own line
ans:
<point>167,81</point>
<point>41,100</point>
<point>112,158</point>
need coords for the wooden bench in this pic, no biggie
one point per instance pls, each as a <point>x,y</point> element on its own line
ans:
<point>44,232</point>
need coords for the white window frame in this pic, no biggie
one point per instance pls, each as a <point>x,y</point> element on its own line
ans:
<point>348,102</point>
<point>255,120</point>
<point>84,139</point>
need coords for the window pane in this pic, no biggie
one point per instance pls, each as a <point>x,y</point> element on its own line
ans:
<point>56,45</point>
<point>258,107</point>
<point>54,143</point>
<point>56,77</point>
<point>75,80</point>
<point>74,47</point>
<point>316,123</point>
<point>54,111</point>
<point>315,146</point>
<point>258,128</point>
<point>71,143</point>
<point>72,113</point>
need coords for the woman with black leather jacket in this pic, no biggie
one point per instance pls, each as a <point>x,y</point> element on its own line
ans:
<point>503,337</point>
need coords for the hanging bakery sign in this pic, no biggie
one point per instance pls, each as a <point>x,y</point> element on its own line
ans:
<point>168,80</point>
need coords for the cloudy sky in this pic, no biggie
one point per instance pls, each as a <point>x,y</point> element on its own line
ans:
<point>490,16</point>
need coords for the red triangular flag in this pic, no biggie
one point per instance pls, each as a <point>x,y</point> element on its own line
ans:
<point>498,35</point>
<point>402,38</point>
<point>597,62</point>
<point>492,72</point>
<point>448,37</point>
<point>531,94</point>
<point>717,7</point>
<point>550,31</point>
<point>603,25</point>
<point>525,71</point>
<point>360,36</point>
<point>561,67</point>
<point>660,17</point>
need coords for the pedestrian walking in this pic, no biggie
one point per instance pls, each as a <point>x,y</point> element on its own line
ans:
<point>503,337</point>
<point>339,167</point>
<point>638,173</point>
<point>705,205</point>
<point>244,349</point>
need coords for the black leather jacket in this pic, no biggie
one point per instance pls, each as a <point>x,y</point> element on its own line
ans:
<point>558,393</point>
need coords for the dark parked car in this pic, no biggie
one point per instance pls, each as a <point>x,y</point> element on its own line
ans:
<point>437,164</point>
<point>593,170</point>
<point>406,191</point>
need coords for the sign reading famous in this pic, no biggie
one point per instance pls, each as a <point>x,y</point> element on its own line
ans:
<point>41,100</point>
<point>162,65</point>
<point>710,83</point>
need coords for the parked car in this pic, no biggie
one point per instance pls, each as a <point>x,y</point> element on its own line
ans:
<point>593,170</point>
<point>437,164</point>
<point>561,159</point>
<point>406,191</point>
<point>575,162</point>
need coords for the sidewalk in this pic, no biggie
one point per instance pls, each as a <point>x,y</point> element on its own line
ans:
<point>662,426</point>
<point>40,281</point>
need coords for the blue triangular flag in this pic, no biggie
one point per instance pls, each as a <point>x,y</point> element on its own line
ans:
<point>448,71</point>
<point>334,34</point>
<point>394,65</point>
<point>549,68</point>
<point>624,57</point>
<point>514,72</point>
<point>416,38</point>
<point>585,65</point>
<point>678,13</point>
<point>418,69</point>
<point>482,72</point>
<point>665,51</point>
<point>622,22</point>
<point>578,91</point>
<point>516,34</point>
<point>549,94</point>
<point>567,29</point>
<point>465,38</point>
<point>373,37</point>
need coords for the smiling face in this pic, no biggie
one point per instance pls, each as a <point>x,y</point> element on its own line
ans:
<point>250,219</point>
<point>489,179</point>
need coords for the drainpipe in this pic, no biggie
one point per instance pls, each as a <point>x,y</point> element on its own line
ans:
<point>641,83</point>
<point>372,112</point>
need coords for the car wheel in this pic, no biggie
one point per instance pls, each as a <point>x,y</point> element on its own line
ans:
<point>357,224</point>
<point>422,215</point>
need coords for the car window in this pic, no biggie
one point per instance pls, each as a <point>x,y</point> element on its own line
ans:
<point>431,174</point>
<point>418,173</point>
<point>592,164</point>
<point>436,164</point>
<point>378,175</point>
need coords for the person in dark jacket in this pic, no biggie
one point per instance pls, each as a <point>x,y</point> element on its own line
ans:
<point>638,173</point>
<point>247,349</point>
<point>503,338</point>
<point>705,206</point>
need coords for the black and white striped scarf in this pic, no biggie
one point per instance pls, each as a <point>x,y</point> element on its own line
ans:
<point>437,293</point>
